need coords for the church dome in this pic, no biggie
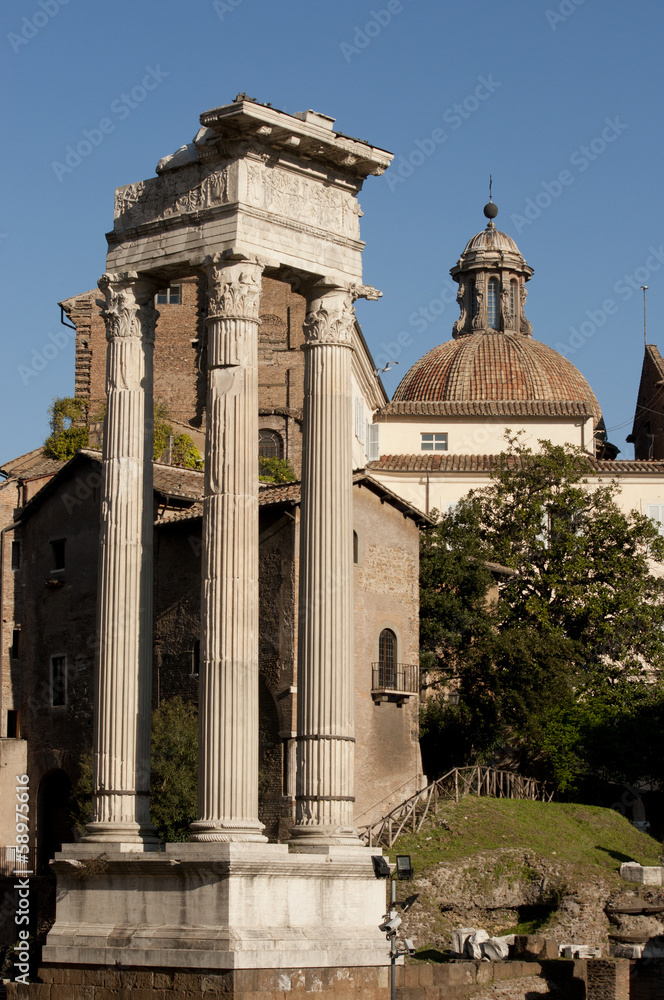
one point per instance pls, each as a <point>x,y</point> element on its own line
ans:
<point>491,239</point>
<point>493,365</point>
<point>498,367</point>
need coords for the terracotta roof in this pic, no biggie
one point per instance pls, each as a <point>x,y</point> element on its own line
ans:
<point>278,493</point>
<point>427,462</point>
<point>272,494</point>
<point>191,514</point>
<point>643,410</point>
<point>497,367</point>
<point>33,465</point>
<point>47,467</point>
<point>173,481</point>
<point>494,408</point>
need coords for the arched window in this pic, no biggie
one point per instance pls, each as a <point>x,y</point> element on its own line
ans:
<point>270,444</point>
<point>492,304</point>
<point>356,548</point>
<point>513,294</point>
<point>472,291</point>
<point>387,657</point>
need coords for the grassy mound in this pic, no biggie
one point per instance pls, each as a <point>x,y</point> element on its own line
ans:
<point>581,835</point>
<point>508,865</point>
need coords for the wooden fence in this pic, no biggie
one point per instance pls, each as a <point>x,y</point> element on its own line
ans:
<point>460,781</point>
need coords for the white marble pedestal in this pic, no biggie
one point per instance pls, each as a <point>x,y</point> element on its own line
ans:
<point>218,906</point>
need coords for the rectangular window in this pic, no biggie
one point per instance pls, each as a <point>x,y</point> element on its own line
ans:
<point>16,555</point>
<point>434,442</point>
<point>58,680</point>
<point>373,442</point>
<point>655,512</point>
<point>359,420</point>
<point>171,296</point>
<point>12,725</point>
<point>15,650</point>
<point>58,555</point>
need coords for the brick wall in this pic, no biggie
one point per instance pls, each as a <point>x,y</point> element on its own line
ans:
<point>180,359</point>
<point>415,981</point>
<point>387,752</point>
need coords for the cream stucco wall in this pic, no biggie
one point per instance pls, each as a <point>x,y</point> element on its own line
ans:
<point>440,489</point>
<point>480,435</point>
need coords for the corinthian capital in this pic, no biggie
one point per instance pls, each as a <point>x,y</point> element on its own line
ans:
<point>128,307</point>
<point>234,288</point>
<point>330,318</point>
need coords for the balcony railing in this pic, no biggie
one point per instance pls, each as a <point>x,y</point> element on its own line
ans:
<point>12,864</point>
<point>396,678</point>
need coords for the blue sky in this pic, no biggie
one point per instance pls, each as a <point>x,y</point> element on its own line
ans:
<point>560,100</point>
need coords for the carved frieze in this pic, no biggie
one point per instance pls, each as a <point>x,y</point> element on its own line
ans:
<point>304,199</point>
<point>178,192</point>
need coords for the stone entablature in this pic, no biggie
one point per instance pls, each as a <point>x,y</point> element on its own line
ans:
<point>255,181</point>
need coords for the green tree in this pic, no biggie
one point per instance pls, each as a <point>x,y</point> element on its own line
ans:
<point>184,450</point>
<point>69,430</point>
<point>557,671</point>
<point>275,470</point>
<point>173,774</point>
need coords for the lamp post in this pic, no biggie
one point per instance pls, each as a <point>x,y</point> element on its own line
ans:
<point>391,920</point>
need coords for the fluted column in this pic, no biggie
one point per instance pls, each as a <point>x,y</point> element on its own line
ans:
<point>228,672</point>
<point>325,739</point>
<point>121,775</point>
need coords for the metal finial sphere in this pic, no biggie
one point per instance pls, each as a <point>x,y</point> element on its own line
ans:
<point>490,210</point>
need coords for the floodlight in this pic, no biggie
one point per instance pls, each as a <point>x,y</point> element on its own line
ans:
<point>404,867</point>
<point>380,866</point>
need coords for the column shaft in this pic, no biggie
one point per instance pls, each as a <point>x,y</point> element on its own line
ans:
<point>324,798</point>
<point>124,614</point>
<point>228,699</point>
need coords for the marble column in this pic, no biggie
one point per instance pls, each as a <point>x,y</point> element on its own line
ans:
<point>123,693</point>
<point>228,672</point>
<point>325,695</point>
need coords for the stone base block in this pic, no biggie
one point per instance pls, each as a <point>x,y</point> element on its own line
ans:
<point>218,906</point>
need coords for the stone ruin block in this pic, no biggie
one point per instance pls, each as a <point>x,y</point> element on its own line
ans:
<point>631,871</point>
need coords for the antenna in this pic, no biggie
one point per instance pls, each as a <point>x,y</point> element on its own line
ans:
<point>490,186</point>
<point>644,289</point>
